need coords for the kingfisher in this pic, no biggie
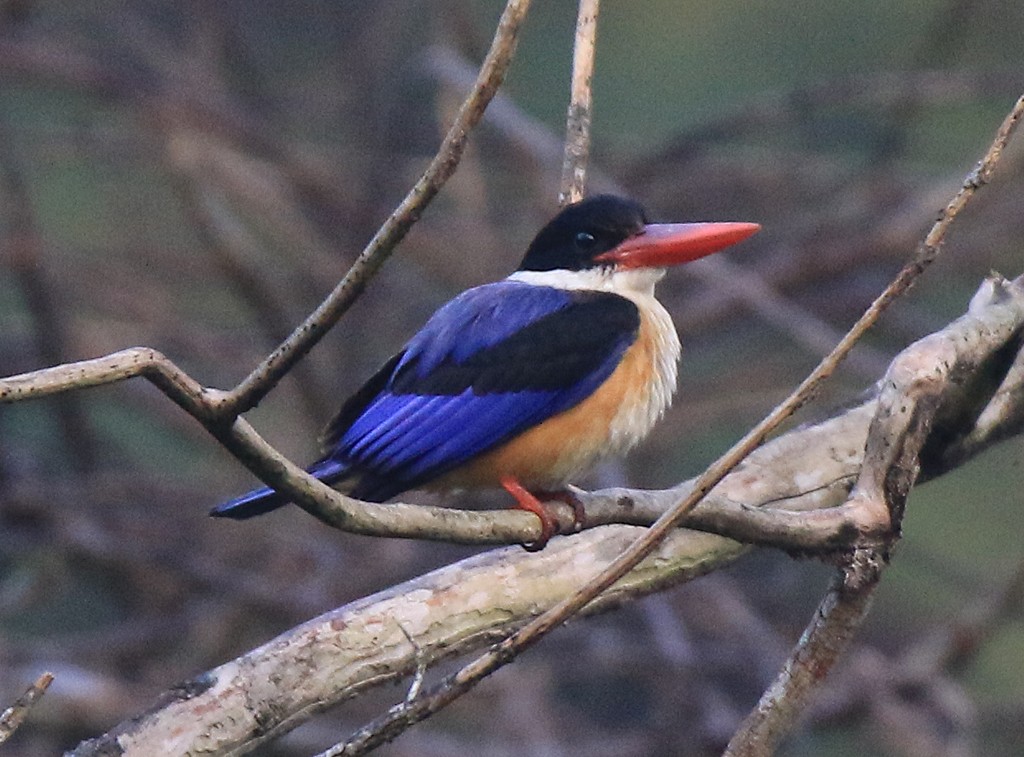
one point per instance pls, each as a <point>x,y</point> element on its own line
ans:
<point>527,382</point>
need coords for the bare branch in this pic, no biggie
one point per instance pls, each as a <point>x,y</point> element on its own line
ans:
<point>14,716</point>
<point>340,654</point>
<point>577,127</point>
<point>185,391</point>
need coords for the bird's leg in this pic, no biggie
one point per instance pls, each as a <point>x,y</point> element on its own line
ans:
<point>569,497</point>
<point>528,502</point>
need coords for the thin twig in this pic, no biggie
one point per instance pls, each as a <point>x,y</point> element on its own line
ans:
<point>401,717</point>
<point>266,375</point>
<point>577,127</point>
<point>14,716</point>
<point>524,132</point>
<point>184,390</point>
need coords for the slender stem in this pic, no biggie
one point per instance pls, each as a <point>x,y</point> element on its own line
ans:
<point>12,718</point>
<point>577,127</point>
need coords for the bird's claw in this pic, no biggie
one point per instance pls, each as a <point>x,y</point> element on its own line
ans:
<point>530,502</point>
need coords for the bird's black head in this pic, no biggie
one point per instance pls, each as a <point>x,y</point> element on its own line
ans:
<point>581,232</point>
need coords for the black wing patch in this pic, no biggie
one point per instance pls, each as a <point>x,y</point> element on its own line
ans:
<point>552,353</point>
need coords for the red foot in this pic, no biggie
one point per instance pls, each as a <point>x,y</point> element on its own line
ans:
<point>528,502</point>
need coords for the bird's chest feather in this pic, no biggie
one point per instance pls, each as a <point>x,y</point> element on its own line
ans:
<point>610,421</point>
<point>641,388</point>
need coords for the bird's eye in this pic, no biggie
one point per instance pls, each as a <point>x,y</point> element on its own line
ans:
<point>585,241</point>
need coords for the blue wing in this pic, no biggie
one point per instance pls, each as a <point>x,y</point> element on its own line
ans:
<point>490,364</point>
<point>495,361</point>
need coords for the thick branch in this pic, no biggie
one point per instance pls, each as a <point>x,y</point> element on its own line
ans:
<point>826,637</point>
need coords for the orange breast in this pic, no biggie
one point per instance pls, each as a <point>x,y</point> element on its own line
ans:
<point>553,452</point>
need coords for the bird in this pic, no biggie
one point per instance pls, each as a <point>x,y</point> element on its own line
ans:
<point>527,382</point>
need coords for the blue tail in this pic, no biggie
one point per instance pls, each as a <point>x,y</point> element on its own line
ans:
<point>264,500</point>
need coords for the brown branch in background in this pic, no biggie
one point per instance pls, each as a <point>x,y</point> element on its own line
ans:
<point>14,716</point>
<point>862,219</point>
<point>803,326</point>
<point>959,642</point>
<point>946,32</point>
<point>265,376</point>
<point>886,90</point>
<point>231,244</point>
<point>577,127</point>
<point>58,63</point>
<point>452,687</point>
<point>23,255</point>
<point>523,132</point>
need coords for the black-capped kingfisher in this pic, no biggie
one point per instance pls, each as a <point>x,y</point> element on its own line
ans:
<point>527,382</point>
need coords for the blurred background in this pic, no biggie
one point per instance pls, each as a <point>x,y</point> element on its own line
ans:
<point>196,176</point>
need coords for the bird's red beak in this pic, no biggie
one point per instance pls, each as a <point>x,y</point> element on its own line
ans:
<point>660,245</point>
